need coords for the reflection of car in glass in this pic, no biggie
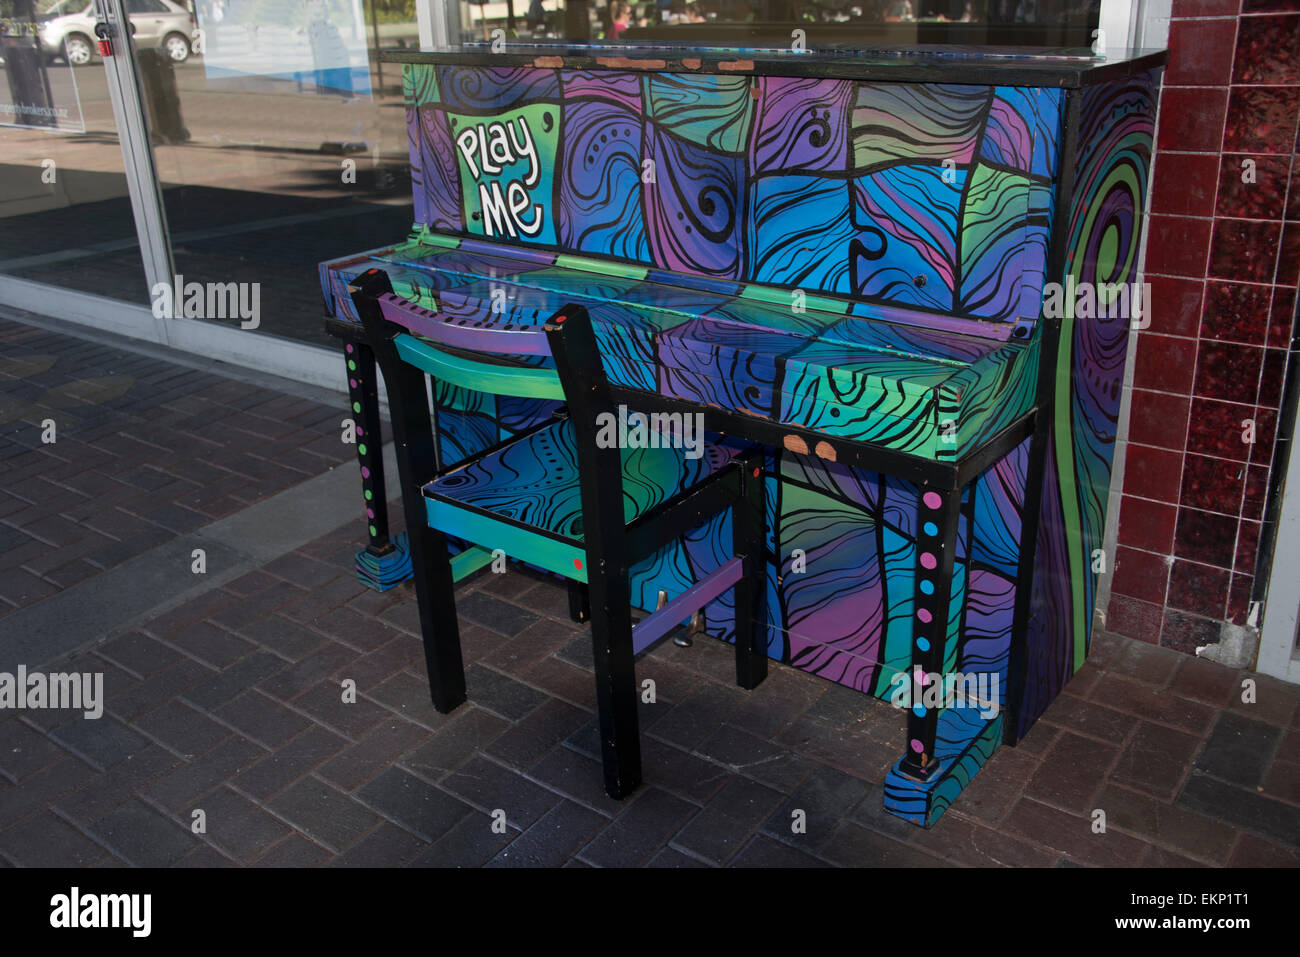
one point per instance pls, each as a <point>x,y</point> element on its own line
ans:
<point>67,28</point>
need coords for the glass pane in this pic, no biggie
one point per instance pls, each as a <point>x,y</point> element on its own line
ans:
<point>65,213</point>
<point>872,23</point>
<point>281,142</point>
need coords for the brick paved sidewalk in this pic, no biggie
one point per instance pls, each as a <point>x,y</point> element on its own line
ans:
<point>231,703</point>
<point>144,450</point>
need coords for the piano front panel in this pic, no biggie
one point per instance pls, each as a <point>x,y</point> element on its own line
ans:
<point>924,195</point>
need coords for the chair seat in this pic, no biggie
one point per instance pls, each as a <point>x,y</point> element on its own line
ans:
<point>531,482</point>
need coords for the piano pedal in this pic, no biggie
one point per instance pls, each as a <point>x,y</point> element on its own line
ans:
<point>684,639</point>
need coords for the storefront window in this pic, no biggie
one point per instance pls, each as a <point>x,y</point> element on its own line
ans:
<point>1051,23</point>
<point>65,215</point>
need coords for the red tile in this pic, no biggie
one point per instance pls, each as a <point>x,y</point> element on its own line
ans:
<point>1261,451</point>
<point>1211,484</point>
<point>1247,548</point>
<point>1293,196</point>
<point>1281,321</point>
<point>1177,246</point>
<point>1272,377</point>
<point>1200,589</point>
<point>1219,429</point>
<point>1228,371</point>
<point>1266,6</point>
<point>1133,618</point>
<point>1191,120</point>
<point>1252,187</point>
<point>1268,50</point>
<point>1156,418</point>
<point>1147,525</point>
<point>1235,312</point>
<point>1184,184</point>
<point>1244,249</point>
<point>1239,595</point>
<point>1185,632</point>
<point>1205,537</point>
<point>1256,496</point>
<point>1206,8</point>
<point>1288,265</point>
<point>1141,575</point>
<point>1175,306</point>
<point>1200,52</point>
<point>1260,119</point>
<point>1165,363</point>
<point>1152,473</point>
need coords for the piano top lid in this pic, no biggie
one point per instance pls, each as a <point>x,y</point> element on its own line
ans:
<point>933,63</point>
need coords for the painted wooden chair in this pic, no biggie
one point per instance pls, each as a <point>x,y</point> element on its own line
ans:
<point>559,498</point>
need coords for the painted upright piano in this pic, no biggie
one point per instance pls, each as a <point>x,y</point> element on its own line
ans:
<point>846,259</point>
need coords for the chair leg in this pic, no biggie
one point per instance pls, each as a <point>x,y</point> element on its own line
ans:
<point>616,696</point>
<point>439,629</point>
<point>579,602</point>
<point>749,537</point>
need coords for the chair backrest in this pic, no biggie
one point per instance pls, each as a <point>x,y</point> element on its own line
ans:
<point>931,196</point>
<point>461,355</point>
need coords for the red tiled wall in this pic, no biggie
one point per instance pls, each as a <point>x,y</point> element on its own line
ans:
<point>1223,259</point>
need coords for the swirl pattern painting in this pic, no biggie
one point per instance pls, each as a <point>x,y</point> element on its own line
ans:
<point>865,260</point>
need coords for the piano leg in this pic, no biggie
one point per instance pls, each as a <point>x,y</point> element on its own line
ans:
<point>937,522</point>
<point>384,562</point>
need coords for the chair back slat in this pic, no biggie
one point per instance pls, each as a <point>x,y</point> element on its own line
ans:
<point>523,341</point>
<point>476,375</point>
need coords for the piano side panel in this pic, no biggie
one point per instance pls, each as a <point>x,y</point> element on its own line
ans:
<point>1111,165</point>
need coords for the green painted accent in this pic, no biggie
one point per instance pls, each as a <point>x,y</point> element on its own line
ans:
<point>584,264</point>
<point>777,297</point>
<point>480,376</point>
<point>373,530</point>
<point>469,561</point>
<point>356,407</point>
<point>362,448</point>
<point>369,495</point>
<point>352,365</point>
<point>484,193</point>
<point>1108,252</point>
<point>430,238</point>
<point>516,542</point>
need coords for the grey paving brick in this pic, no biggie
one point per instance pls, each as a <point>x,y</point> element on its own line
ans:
<point>490,787</point>
<point>553,839</point>
<point>262,719</point>
<point>143,837</point>
<point>728,821</point>
<point>651,819</point>
<point>237,826</point>
<point>324,813</point>
<point>182,729</point>
<point>1243,808</point>
<point>416,805</point>
<point>45,840</point>
<point>177,791</point>
<point>101,742</point>
<point>386,846</point>
<point>500,693</point>
<point>296,758</point>
<point>471,842</point>
<point>1239,750</point>
<point>471,730</point>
